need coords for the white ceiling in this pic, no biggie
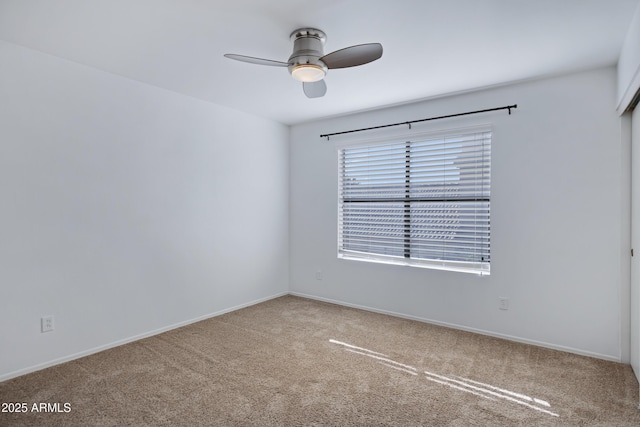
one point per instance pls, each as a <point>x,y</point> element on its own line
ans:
<point>431,47</point>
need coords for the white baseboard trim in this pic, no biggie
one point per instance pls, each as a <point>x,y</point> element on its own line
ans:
<point>98,349</point>
<point>463,328</point>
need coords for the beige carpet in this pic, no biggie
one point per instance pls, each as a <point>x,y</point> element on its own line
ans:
<point>293,361</point>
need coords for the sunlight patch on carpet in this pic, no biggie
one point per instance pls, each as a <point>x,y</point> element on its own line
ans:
<point>504,394</point>
<point>477,388</point>
<point>344,344</point>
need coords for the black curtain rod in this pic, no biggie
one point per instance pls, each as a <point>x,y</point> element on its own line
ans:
<point>508,107</point>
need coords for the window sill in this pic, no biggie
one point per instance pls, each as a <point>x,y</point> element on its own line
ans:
<point>458,267</point>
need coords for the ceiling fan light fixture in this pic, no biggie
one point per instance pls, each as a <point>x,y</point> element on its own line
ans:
<point>308,63</point>
<point>308,73</point>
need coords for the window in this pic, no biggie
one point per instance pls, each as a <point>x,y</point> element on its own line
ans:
<point>423,202</point>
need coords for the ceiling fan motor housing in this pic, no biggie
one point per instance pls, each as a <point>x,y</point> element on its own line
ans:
<point>308,48</point>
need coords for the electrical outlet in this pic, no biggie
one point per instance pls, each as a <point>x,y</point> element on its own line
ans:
<point>46,324</point>
<point>503,303</point>
<point>319,275</point>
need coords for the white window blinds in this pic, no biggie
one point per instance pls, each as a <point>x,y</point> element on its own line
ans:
<point>423,202</point>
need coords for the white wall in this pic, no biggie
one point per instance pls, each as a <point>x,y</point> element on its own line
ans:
<point>127,209</point>
<point>558,195</point>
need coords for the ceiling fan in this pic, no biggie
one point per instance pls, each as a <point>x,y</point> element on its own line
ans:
<point>309,64</point>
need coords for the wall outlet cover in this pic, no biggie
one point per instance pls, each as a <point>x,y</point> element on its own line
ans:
<point>46,324</point>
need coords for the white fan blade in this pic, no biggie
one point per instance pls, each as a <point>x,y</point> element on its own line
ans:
<point>252,60</point>
<point>314,89</point>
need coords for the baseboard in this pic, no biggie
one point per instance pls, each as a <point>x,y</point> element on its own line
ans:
<point>463,328</point>
<point>98,349</point>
